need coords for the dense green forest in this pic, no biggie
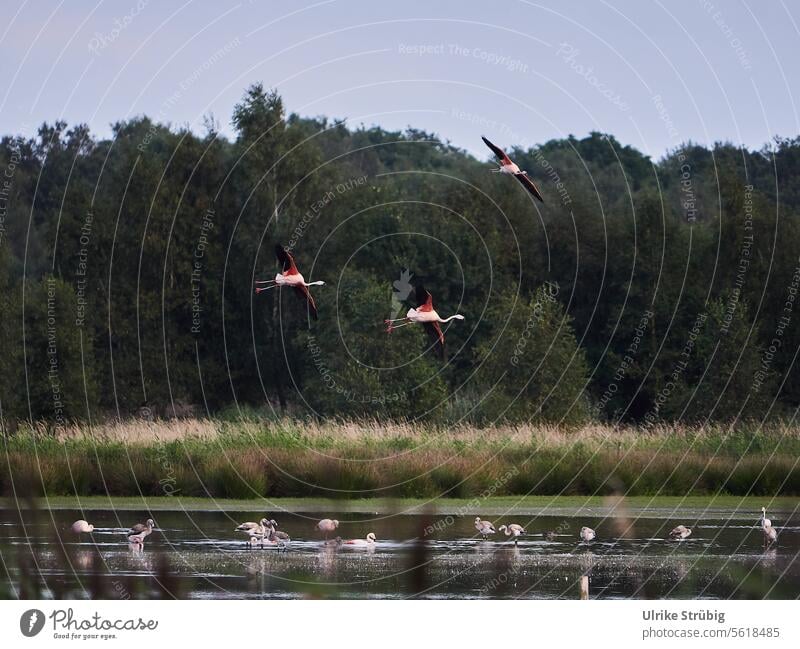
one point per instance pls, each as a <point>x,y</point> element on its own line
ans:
<point>640,291</point>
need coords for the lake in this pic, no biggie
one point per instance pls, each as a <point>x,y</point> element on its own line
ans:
<point>197,554</point>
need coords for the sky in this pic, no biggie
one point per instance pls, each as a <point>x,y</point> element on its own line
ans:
<point>653,74</point>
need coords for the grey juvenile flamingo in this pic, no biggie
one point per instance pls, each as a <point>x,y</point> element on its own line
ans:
<point>255,531</point>
<point>142,528</point>
<point>277,535</point>
<point>484,527</point>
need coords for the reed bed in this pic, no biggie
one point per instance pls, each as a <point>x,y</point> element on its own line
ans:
<point>251,458</point>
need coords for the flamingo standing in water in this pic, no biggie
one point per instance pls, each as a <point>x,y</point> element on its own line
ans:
<point>512,530</point>
<point>426,315</point>
<point>484,527</point>
<point>327,525</point>
<point>82,527</point>
<point>276,534</point>
<point>679,533</point>
<point>291,277</point>
<point>142,529</point>
<point>255,531</point>
<point>508,166</point>
<point>370,540</point>
<point>770,535</point>
<point>137,540</point>
<point>765,522</point>
<point>587,534</point>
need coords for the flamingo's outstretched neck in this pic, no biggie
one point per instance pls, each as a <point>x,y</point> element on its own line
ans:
<point>452,317</point>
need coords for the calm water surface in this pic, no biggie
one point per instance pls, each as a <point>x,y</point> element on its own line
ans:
<point>198,555</point>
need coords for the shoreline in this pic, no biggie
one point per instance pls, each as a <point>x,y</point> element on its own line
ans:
<point>732,507</point>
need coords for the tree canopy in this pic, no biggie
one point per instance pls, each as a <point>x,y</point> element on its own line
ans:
<point>640,290</point>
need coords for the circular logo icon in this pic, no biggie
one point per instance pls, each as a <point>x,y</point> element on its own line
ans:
<point>31,622</point>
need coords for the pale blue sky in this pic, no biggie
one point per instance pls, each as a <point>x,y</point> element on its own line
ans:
<point>518,72</point>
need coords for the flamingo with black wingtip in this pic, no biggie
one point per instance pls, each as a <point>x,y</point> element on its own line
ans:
<point>427,316</point>
<point>508,166</point>
<point>290,277</point>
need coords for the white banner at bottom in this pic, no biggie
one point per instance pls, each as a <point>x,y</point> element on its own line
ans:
<point>395,623</point>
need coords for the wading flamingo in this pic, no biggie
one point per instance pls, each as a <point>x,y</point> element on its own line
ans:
<point>82,527</point>
<point>512,530</point>
<point>276,535</point>
<point>142,528</point>
<point>765,522</point>
<point>426,315</point>
<point>587,534</point>
<point>370,540</point>
<point>137,540</point>
<point>326,526</point>
<point>292,278</point>
<point>255,531</point>
<point>508,166</point>
<point>679,533</point>
<point>770,535</point>
<point>484,527</point>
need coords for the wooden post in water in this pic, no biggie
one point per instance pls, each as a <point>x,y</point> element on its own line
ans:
<point>584,586</point>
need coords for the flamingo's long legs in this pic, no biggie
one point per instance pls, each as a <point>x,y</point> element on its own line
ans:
<point>387,321</point>
<point>405,324</point>
<point>265,281</point>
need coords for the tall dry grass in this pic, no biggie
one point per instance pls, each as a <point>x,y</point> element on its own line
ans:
<point>251,458</point>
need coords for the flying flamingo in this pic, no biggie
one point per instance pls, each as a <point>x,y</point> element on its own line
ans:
<point>426,315</point>
<point>290,277</point>
<point>508,166</point>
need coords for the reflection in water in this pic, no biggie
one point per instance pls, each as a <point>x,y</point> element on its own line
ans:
<point>195,554</point>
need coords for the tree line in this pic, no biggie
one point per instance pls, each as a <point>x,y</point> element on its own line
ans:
<point>641,291</point>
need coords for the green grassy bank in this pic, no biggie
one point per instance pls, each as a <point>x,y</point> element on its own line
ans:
<point>251,460</point>
<point>733,507</point>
